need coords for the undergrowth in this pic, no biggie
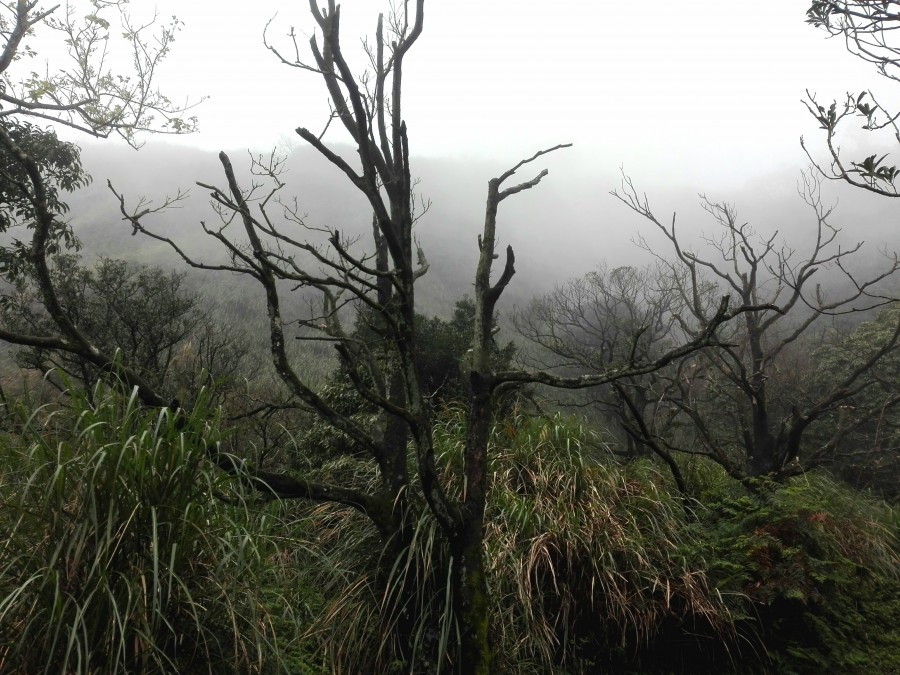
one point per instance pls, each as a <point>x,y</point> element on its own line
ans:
<point>598,566</point>
<point>129,554</point>
<point>121,557</point>
<point>818,568</point>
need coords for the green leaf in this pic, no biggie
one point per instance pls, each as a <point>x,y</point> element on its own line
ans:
<point>99,21</point>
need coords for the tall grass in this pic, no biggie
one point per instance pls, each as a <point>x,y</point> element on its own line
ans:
<point>120,558</point>
<point>585,557</point>
<point>594,566</point>
<point>128,554</point>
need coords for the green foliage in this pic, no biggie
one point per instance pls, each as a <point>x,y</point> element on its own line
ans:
<point>440,348</point>
<point>871,168</point>
<point>74,87</point>
<point>120,558</point>
<point>319,440</point>
<point>812,571</point>
<point>161,329</point>
<point>819,12</point>
<point>868,30</point>
<point>59,163</point>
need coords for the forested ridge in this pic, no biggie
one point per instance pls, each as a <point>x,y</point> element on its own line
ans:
<point>310,411</point>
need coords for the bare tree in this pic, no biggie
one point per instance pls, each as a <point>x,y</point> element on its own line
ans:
<point>382,281</point>
<point>732,400</point>
<point>594,321</point>
<point>867,28</point>
<point>589,324</point>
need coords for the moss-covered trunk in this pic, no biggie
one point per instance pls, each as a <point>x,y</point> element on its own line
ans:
<point>470,604</point>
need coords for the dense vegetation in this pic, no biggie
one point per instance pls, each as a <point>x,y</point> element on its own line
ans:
<point>130,554</point>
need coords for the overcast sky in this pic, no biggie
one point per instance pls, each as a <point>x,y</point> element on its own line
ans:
<point>699,91</point>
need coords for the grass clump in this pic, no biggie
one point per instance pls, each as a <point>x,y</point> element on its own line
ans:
<point>585,562</point>
<point>598,566</point>
<point>587,558</point>
<point>120,557</point>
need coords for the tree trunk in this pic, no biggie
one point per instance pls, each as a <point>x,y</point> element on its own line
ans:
<point>470,604</point>
<point>762,459</point>
<point>470,590</point>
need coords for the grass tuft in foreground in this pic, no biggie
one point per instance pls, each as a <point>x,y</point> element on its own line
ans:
<point>120,557</point>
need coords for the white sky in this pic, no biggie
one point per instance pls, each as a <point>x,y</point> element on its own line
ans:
<point>695,91</point>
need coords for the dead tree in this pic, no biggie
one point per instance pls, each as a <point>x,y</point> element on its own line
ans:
<point>731,404</point>
<point>588,324</point>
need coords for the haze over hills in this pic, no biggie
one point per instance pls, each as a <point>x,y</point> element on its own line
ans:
<point>560,229</point>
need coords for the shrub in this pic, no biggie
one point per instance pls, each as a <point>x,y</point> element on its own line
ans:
<point>813,569</point>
